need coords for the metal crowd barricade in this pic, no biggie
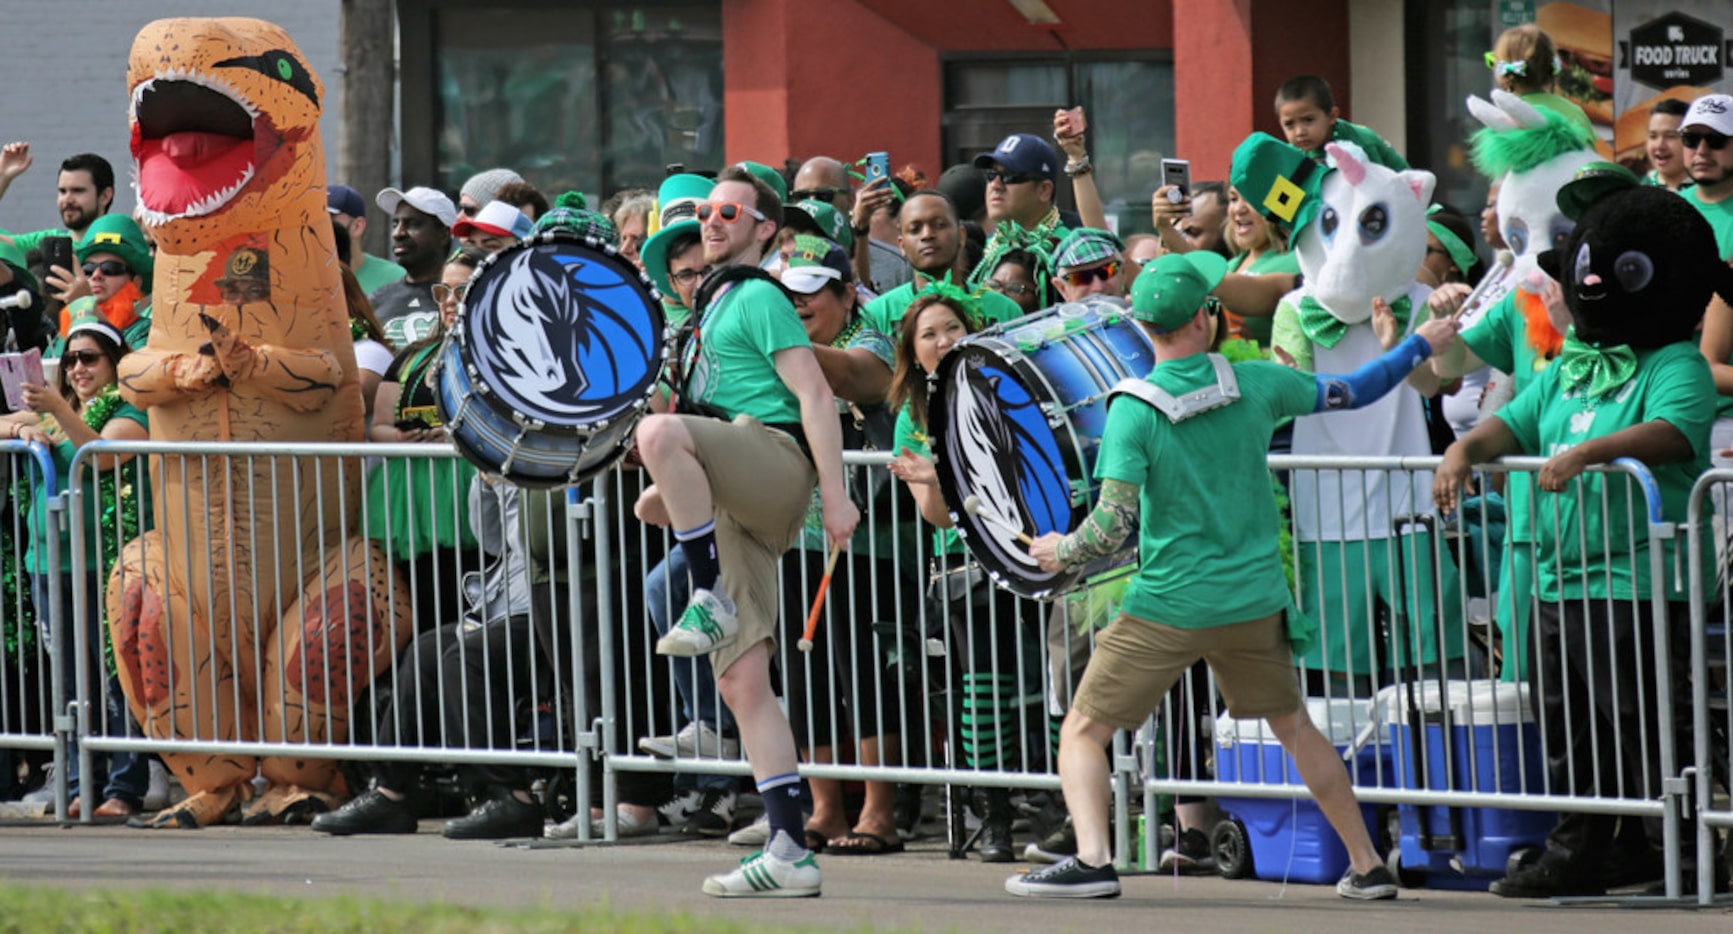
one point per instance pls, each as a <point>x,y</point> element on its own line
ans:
<point>322,493</point>
<point>31,715</point>
<point>1452,748</point>
<point>1711,657</point>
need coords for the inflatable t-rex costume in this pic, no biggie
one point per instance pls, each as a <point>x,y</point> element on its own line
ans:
<point>248,614</point>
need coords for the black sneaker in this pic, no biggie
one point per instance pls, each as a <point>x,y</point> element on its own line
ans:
<point>1067,879</point>
<point>1547,877</point>
<point>1055,847</point>
<point>502,817</point>
<point>714,815</point>
<point>369,812</point>
<point>1190,853</point>
<point>1370,886</point>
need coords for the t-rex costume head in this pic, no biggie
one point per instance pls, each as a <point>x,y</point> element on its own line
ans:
<point>1368,238</point>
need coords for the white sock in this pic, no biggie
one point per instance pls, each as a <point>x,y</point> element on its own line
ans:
<point>783,847</point>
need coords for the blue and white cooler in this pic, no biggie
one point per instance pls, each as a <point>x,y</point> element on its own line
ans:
<point>1478,736</point>
<point>1283,838</point>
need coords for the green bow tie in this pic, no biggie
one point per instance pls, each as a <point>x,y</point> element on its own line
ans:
<point>1601,370</point>
<point>1326,330</point>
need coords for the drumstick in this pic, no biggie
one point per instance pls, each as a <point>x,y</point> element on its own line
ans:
<point>818,601</point>
<point>974,507</point>
<point>1503,261</point>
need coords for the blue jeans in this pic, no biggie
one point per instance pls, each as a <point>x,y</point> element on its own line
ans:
<point>128,772</point>
<point>667,589</point>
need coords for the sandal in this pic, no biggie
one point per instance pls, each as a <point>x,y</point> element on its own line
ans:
<point>861,843</point>
<point>815,841</point>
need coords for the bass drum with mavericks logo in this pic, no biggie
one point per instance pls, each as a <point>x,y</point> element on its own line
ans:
<point>1017,414</point>
<point>552,362</point>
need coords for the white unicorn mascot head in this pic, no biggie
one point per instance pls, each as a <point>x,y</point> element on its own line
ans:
<point>1369,236</point>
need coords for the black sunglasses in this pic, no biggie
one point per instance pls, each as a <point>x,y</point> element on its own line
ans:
<point>1692,139</point>
<point>1006,178</point>
<point>816,194</point>
<point>109,267</point>
<point>74,358</point>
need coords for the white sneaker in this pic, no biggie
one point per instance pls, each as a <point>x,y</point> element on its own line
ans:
<point>629,825</point>
<point>709,623</point>
<point>156,796</point>
<point>695,740</point>
<point>762,875</point>
<point>756,833</point>
<point>45,794</point>
<point>566,829</point>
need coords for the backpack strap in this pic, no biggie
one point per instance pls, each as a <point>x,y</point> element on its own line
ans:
<point>1226,391</point>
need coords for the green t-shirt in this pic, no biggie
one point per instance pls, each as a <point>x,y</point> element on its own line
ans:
<point>945,541</point>
<point>134,495</point>
<point>375,272</point>
<point>736,344</point>
<point>1209,530</point>
<point>1367,139</point>
<point>1720,217</point>
<point>1594,543</point>
<point>1500,339</point>
<point>1271,261</point>
<point>886,312</point>
<point>33,240</point>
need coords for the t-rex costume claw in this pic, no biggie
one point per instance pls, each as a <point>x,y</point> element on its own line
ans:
<point>253,612</point>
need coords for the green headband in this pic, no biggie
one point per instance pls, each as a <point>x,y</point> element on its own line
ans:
<point>1461,254</point>
<point>944,288</point>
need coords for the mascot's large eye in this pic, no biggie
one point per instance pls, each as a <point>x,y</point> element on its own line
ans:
<point>1328,222</point>
<point>1516,237</point>
<point>1373,222</point>
<point>1584,265</point>
<point>1561,229</point>
<point>1633,270</point>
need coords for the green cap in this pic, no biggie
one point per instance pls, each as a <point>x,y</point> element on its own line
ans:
<point>118,234</point>
<point>813,216</point>
<point>771,177</point>
<point>1169,291</point>
<point>677,203</point>
<point>1279,181</point>
<point>12,256</point>
<point>1590,184</point>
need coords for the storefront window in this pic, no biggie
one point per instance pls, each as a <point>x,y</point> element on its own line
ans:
<point>594,99</point>
<point>1446,46</point>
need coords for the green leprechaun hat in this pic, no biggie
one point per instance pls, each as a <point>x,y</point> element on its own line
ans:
<point>1279,181</point>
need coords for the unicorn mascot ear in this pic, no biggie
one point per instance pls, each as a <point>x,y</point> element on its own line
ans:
<point>1370,236</point>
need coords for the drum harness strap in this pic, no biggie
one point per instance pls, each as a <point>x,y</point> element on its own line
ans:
<point>1226,391</point>
<point>692,344</point>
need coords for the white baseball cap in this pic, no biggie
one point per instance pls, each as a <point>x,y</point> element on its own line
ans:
<point>423,199</point>
<point>1712,112</point>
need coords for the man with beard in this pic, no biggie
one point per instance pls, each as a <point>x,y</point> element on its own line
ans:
<point>421,220</point>
<point>86,191</point>
<point>1707,127</point>
<point>932,241</point>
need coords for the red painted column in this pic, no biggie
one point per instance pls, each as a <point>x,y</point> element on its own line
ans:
<point>1229,58</point>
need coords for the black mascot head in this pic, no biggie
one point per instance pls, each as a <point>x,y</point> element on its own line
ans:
<point>1639,268</point>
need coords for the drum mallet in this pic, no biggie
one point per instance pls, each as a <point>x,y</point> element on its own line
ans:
<point>818,601</point>
<point>973,507</point>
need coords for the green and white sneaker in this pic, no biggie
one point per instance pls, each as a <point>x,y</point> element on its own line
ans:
<point>708,624</point>
<point>762,875</point>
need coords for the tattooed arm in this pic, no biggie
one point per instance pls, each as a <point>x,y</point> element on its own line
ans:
<point>1101,534</point>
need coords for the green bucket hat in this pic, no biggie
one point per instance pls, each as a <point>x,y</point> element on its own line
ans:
<point>677,203</point>
<point>769,176</point>
<point>1278,180</point>
<point>118,234</point>
<point>819,217</point>
<point>1169,291</point>
<point>1590,183</point>
<point>12,256</point>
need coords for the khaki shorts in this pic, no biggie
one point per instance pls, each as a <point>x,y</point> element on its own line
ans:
<point>1137,661</point>
<point>761,484</point>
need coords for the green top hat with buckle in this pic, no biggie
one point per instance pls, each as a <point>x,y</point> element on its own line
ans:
<point>677,203</point>
<point>118,234</point>
<point>1279,181</point>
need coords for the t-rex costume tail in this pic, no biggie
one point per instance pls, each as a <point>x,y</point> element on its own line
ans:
<point>255,610</point>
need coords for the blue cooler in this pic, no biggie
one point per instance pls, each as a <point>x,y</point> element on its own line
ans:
<point>1494,746</point>
<point>1291,839</point>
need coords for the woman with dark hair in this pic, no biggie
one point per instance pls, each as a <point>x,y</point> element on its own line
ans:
<point>1023,276</point>
<point>416,505</point>
<point>984,630</point>
<point>84,406</point>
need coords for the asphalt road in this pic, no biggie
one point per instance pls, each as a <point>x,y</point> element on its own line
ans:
<point>919,889</point>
